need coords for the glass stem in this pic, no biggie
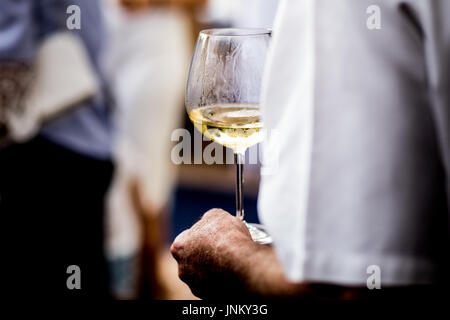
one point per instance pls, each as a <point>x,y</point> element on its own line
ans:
<point>239,158</point>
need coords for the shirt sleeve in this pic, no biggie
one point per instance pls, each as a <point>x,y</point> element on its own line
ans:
<point>361,121</point>
<point>17,33</point>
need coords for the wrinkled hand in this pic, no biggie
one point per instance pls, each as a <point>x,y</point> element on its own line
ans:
<point>209,254</point>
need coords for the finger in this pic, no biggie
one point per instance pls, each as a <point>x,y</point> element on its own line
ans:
<point>177,247</point>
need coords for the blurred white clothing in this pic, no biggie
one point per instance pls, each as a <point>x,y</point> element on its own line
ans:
<point>146,63</point>
<point>364,151</point>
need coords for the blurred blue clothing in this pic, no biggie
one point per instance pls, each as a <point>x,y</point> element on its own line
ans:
<point>23,26</point>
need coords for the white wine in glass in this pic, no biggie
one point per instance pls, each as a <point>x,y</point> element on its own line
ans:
<point>222,97</point>
<point>236,126</point>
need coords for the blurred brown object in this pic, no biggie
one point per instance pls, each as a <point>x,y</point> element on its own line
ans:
<point>152,225</point>
<point>14,80</point>
<point>158,272</point>
<point>142,4</point>
<point>191,7</point>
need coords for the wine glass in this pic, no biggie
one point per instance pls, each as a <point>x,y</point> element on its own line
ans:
<point>223,93</point>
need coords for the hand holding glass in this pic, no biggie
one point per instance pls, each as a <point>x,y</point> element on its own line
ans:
<point>222,96</point>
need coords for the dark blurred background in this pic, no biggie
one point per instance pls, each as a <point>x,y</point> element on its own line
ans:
<point>91,92</point>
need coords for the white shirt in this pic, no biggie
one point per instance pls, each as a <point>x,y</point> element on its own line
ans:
<point>363,120</point>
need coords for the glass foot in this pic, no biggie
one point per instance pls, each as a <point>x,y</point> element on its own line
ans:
<point>259,233</point>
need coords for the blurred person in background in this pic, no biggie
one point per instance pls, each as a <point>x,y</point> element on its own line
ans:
<point>52,186</point>
<point>363,172</point>
<point>149,43</point>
